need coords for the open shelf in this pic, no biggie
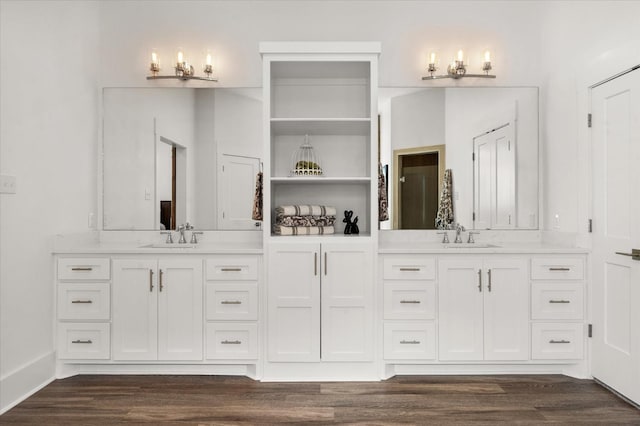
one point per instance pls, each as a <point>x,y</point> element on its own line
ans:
<point>320,126</point>
<point>320,180</point>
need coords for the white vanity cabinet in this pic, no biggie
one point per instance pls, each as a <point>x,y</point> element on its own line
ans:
<point>157,309</point>
<point>557,308</point>
<point>83,308</point>
<point>409,307</point>
<point>483,308</point>
<point>231,307</point>
<point>320,302</point>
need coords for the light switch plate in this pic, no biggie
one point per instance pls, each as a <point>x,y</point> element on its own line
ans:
<point>7,184</point>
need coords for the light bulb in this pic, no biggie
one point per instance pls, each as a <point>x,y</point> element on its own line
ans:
<point>432,58</point>
<point>154,57</point>
<point>180,56</point>
<point>460,55</point>
<point>487,56</point>
<point>208,58</point>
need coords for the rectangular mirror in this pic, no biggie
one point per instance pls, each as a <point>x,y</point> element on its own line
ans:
<point>488,137</point>
<point>177,155</point>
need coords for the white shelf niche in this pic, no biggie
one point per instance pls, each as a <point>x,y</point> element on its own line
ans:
<point>303,89</point>
<point>353,196</point>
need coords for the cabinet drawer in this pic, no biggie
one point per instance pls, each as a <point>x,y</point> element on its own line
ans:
<point>232,268</point>
<point>232,340</point>
<point>557,268</point>
<point>409,268</point>
<point>557,300</point>
<point>238,301</point>
<point>409,300</point>
<point>83,269</point>
<point>557,341</point>
<point>83,341</point>
<point>409,340</point>
<point>83,301</point>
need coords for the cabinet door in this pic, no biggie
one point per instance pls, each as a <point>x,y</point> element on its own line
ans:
<point>506,310</point>
<point>460,290</point>
<point>347,299</point>
<point>135,310</point>
<point>293,302</point>
<point>180,300</point>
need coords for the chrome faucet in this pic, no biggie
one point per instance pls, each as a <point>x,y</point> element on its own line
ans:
<point>169,236</point>
<point>194,238</point>
<point>182,239</point>
<point>459,230</point>
<point>445,237</point>
<point>470,240</point>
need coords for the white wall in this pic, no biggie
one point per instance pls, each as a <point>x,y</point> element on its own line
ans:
<point>583,42</point>
<point>48,140</point>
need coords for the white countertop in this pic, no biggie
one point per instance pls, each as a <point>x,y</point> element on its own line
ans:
<point>478,248</point>
<point>145,248</point>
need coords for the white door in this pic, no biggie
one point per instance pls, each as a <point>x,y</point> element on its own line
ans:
<point>495,179</point>
<point>180,309</point>
<point>506,310</point>
<point>293,296</point>
<point>237,184</point>
<point>615,106</point>
<point>460,305</point>
<point>135,310</point>
<point>347,302</point>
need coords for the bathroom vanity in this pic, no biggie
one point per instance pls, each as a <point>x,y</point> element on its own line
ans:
<point>319,307</point>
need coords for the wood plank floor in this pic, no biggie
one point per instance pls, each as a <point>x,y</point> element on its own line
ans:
<point>219,400</point>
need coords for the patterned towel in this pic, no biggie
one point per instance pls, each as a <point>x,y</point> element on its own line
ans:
<point>303,230</point>
<point>305,210</point>
<point>305,220</point>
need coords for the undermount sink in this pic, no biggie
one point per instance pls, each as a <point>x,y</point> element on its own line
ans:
<point>169,246</point>
<point>468,245</point>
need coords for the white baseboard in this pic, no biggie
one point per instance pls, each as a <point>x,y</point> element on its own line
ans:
<point>21,383</point>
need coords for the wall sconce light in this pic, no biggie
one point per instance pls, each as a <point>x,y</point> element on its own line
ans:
<point>183,70</point>
<point>458,69</point>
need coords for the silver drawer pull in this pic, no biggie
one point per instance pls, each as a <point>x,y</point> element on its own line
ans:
<point>81,269</point>
<point>409,342</point>
<point>231,302</point>
<point>559,269</point>
<point>559,301</point>
<point>82,301</point>
<point>410,269</point>
<point>410,301</point>
<point>559,341</point>
<point>82,341</point>
<point>231,342</point>
<point>231,269</point>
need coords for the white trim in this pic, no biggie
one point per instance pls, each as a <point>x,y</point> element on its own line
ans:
<point>320,47</point>
<point>24,381</point>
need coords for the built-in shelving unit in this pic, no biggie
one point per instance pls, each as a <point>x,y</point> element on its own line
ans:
<point>328,93</point>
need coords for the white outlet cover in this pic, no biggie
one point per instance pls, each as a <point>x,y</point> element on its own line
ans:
<point>7,184</point>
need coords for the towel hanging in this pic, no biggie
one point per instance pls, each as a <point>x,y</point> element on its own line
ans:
<point>444,219</point>
<point>383,202</point>
<point>257,199</point>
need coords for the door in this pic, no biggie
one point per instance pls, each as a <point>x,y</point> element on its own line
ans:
<point>293,302</point>
<point>237,188</point>
<point>135,310</point>
<point>180,309</point>
<point>347,302</point>
<point>495,179</point>
<point>460,287</point>
<point>615,106</point>
<point>506,310</point>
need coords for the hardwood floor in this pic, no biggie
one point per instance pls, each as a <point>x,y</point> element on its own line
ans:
<point>219,400</point>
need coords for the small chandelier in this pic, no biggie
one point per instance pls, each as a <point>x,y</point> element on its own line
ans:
<point>458,69</point>
<point>183,70</point>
